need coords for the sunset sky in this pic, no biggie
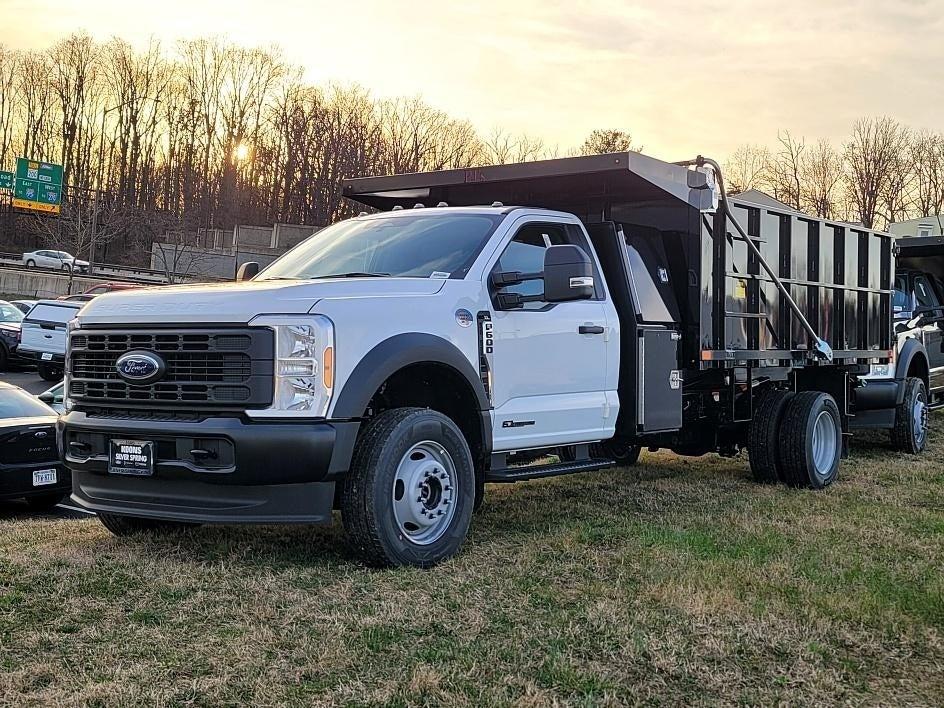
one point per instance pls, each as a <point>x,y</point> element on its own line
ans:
<point>683,77</point>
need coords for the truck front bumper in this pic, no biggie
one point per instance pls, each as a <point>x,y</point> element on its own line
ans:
<point>255,472</point>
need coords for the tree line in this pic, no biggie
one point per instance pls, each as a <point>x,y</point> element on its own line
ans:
<point>883,173</point>
<point>207,134</point>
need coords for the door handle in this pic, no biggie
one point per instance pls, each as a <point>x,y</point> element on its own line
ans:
<point>591,329</point>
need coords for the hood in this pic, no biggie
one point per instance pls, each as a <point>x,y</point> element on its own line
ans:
<point>10,326</point>
<point>240,302</point>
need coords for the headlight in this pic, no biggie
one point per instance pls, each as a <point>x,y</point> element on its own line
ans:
<point>303,367</point>
<point>882,371</point>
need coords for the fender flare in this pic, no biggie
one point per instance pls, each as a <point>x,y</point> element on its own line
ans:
<point>911,349</point>
<point>395,353</point>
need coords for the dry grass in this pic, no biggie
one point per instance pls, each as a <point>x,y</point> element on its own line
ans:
<point>679,582</point>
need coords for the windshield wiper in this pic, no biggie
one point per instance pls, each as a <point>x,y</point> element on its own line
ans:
<point>352,274</point>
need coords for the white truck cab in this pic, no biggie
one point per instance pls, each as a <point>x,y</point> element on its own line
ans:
<point>394,363</point>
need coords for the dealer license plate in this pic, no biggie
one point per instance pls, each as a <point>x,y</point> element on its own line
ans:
<point>134,457</point>
<point>47,356</point>
<point>43,477</point>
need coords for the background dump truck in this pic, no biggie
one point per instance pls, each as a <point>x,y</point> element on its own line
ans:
<point>899,395</point>
<point>493,324</point>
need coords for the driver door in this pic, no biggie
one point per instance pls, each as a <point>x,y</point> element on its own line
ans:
<point>549,373</point>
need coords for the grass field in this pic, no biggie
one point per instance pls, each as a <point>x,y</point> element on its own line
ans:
<point>677,582</point>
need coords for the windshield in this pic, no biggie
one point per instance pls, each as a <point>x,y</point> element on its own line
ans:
<point>15,403</point>
<point>9,313</point>
<point>409,245</point>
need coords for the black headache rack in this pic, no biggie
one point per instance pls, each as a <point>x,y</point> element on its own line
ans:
<point>809,291</point>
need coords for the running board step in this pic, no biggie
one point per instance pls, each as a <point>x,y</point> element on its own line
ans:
<point>520,474</point>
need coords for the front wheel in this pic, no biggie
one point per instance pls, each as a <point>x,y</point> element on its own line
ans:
<point>408,497</point>
<point>910,433</point>
<point>48,372</point>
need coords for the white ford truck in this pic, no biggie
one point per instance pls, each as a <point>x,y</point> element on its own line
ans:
<point>528,320</point>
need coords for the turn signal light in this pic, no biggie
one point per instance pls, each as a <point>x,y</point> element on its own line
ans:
<point>327,367</point>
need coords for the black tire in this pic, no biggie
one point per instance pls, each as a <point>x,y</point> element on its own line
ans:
<point>763,437</point>
<point>797,437</point>
<point>911,435</point>
<point>130,525</point>
<point>624,453</point>
<point>367,493</point>
<point>66,266</point>
<point>4,358</point>
<point>31,263</point>
<point>49,372</point>
<point>44,502</point>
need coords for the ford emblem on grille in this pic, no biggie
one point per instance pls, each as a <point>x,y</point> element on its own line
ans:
<point>140,367</point>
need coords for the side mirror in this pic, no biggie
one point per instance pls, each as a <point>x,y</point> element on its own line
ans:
<point>247,271</point>
<point>47,397</point>
<point>568,274</point>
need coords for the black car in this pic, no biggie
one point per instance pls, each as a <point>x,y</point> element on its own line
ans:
<point>29,460</point>
<point>10,319</point>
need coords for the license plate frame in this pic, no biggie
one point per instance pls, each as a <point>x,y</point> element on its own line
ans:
<point>136,457</point>
<point>43,478</point>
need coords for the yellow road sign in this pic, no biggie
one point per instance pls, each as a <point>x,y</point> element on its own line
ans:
<point>37,206</point>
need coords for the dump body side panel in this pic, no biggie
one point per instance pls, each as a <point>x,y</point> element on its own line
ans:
<point>839,275</point>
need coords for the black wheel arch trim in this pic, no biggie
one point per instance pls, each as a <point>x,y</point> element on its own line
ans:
<point>911,349</point>
<point>398,352</point>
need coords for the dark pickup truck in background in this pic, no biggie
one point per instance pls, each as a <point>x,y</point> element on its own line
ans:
<point>899,395</point>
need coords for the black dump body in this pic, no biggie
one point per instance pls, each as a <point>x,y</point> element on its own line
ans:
<point>671,258</point>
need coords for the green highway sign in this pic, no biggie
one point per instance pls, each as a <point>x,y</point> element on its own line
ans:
<point>6,180</point>
<point>38,185</point>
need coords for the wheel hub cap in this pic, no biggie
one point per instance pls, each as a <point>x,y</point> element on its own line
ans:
<point>424,492</point>
<point>825,443</point>
<point>919,413</point>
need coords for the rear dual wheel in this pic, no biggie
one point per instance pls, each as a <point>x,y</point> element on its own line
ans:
<point>796,439</point>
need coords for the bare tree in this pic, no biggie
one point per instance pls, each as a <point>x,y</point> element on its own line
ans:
<point>783,172</point>
<point>821,181</point>
<point>73,78</point>
<point>602,141</point>
<point>9,66</point>
<point>927,169</point>
<point>871,155</point>
<point>746,168</point>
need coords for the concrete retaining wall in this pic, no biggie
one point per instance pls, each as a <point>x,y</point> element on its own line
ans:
<point>32,285</point>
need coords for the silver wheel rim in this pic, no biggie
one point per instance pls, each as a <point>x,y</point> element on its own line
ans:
<point>825,443</point>
<point>424,492</point>
<point>919,415</point>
